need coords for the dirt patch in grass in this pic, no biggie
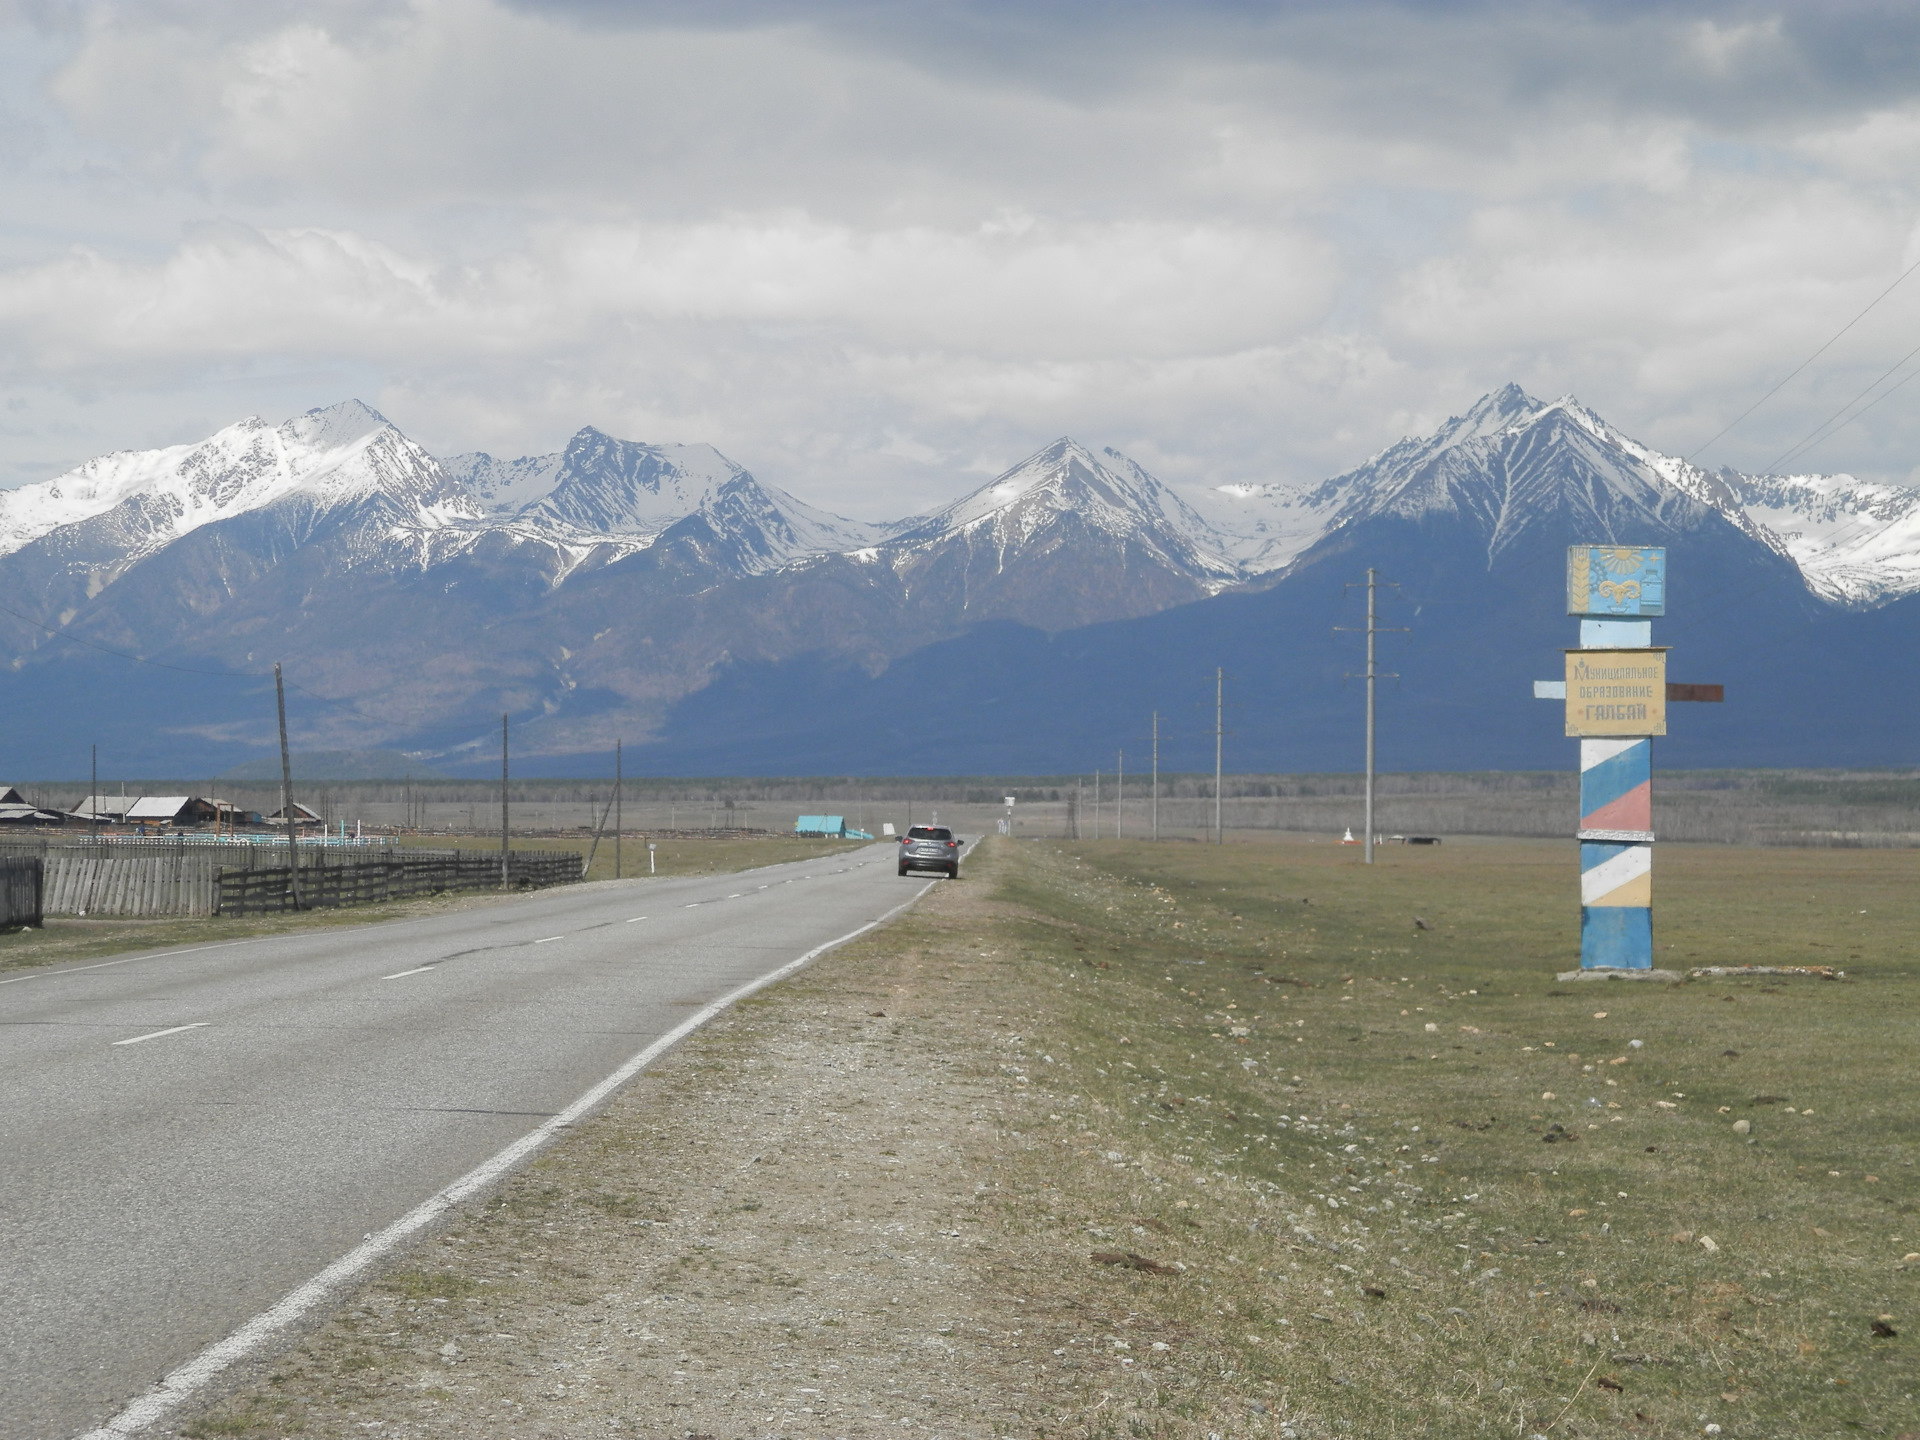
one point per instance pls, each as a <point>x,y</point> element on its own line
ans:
<point>1171,1140</point>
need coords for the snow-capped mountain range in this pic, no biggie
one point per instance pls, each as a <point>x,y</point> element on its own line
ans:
<point>615,589</point>
<point>602,499</point>
<point>1857,544</point>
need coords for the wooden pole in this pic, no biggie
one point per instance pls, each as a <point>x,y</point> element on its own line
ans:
<point>616,809</point>
<point>1154,807</point>
<point>503,802</point>
<point>1219,711</point>
<point>286,790</point>
<point>1370,620</point>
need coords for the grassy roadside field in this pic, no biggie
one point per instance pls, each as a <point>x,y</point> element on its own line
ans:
<point>66,941</point>
<point>1439,1193</point>
<point>1118,1140</point>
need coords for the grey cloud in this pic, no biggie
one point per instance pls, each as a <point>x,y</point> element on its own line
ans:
<point>873,248</point>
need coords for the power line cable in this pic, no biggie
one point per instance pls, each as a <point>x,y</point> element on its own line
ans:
<point>1815,435</point>
<point>1806,362</point>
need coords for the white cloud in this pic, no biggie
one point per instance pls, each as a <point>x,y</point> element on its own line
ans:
<point>869,251</point>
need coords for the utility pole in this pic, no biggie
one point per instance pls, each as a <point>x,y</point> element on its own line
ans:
<point>616,809</point>
<point>93,801</point>
<point>1373,672</point>
<point>1153,806</point>
<point>1096,804</point>
<point>1219,711</point>
<point>503,802</point>
<point>1120,795</point>
<point>286,790</point>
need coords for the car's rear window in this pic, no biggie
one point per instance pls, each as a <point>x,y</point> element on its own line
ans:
<point>929,832</point>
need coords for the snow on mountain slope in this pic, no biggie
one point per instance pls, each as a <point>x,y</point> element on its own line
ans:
<point>621,491</point>
<point>1510,461</point>
<point>138,502</point>
<point>1109,494</point>
<point>504,487</point>
<point>1264,527</point>
<point>1857,543</point>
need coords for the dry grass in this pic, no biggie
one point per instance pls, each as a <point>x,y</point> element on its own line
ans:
<point>819,1220</point>
<point>1354,1112</point>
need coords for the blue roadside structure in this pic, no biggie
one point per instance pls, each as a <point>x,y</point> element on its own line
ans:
<point>1616,693</point>
<point>834,825</point>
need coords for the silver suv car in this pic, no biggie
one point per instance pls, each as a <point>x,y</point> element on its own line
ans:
<point>930,847</point>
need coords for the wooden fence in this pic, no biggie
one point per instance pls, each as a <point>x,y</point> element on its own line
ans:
<point>154,880</point>
<point>89,882</point>
<point>22,885</point>
<point>403,875</point>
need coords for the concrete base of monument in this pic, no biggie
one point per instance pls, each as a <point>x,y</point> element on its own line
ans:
<point>1604,972</point>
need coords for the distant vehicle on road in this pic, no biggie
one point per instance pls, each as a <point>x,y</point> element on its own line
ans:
<point>930,847</point>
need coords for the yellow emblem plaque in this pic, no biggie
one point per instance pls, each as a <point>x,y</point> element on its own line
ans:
<point>1617,692</point>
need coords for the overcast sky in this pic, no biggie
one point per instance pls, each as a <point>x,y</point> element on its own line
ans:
<point>876,251</point>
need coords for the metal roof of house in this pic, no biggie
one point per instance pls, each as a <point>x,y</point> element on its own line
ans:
<point>158,807</point>
<point>109,805</point>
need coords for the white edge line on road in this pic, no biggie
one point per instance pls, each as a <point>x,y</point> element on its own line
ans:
<point>402,974</point>
<point>174,1030</point>
<point>187,1380</point>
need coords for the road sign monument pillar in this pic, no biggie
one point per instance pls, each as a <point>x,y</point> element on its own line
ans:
<point>1615,695</point>
<point>1616,703</point>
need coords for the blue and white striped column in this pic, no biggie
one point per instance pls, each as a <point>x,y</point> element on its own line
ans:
<point>1616,854</point>
<point>1615,704</point>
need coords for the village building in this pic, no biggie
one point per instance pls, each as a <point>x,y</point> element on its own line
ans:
<point>16,809</point>
<point>173,811</point>
<point>303,818</point>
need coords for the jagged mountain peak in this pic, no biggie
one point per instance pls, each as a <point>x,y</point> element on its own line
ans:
<point>139,500</point>
<point>1496,411</point>
<point>602,488</point>
<point>1062,497</point>
<point>336,426</point>
<point>1066,476</point>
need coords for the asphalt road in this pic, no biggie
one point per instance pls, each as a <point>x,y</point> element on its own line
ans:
<point>160,1184</point>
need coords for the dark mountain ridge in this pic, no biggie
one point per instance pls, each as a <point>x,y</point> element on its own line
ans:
<point>662,594</point>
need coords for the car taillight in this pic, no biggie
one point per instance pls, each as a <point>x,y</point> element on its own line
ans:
<point>953,844</point>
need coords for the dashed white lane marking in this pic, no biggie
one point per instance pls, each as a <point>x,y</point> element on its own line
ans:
<point>402,974</point>
<point>694,906</point>
<point>636,920</point>
<point>550,939</point>
<point>735,896</point>
<point>156,1034</point>
<point>176,1388</point>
